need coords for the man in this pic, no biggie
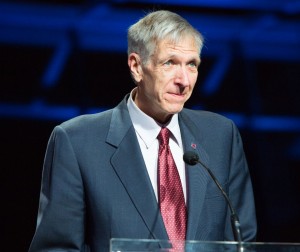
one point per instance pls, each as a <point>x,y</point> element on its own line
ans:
<point>104,174</point>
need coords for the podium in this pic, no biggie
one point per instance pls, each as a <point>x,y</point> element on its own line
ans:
<point>136,245</point>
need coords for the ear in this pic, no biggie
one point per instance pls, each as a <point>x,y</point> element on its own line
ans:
<point>135,67</point>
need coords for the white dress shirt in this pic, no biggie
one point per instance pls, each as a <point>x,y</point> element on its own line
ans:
<point>147,130</point>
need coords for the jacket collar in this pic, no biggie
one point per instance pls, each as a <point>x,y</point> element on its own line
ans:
<point>196,176</point>
<point>128,163</point>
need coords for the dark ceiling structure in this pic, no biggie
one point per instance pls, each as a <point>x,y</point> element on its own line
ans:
<point>254,30</point>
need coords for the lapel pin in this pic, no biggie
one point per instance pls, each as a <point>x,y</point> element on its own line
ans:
<point>193,146</point>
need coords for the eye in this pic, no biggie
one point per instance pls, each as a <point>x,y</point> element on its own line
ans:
<point>193,64</point>
<point>169,63</point>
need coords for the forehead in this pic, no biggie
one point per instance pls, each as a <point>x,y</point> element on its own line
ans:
<point>186,45</point>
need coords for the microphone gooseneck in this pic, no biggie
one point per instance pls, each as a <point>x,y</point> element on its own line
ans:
<point>191,158</point>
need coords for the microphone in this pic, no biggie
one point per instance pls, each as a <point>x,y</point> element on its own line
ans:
<point>191,158</point>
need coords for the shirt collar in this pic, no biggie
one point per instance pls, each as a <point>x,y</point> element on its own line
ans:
<point>147,128</point>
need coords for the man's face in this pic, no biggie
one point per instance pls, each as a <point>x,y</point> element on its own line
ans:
<point>168,79</point>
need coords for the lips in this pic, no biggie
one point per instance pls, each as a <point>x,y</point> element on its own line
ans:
<point>177,96</point>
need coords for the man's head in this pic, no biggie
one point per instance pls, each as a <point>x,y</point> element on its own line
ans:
<point>163,57</point>
<point>144,35</point>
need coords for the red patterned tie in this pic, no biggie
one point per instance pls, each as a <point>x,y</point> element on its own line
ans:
<point>171,199</point>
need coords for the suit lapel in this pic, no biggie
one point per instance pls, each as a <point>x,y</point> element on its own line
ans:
<point>196,176</point>
<point>129,165</point>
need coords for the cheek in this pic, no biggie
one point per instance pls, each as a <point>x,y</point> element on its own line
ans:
<point>161,85</point>
<point>193,80</point>
<point>194,76</point>
<point>193,85</point>
<point>153,91</point>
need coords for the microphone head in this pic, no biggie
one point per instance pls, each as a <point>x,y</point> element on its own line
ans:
<point>191,158</point>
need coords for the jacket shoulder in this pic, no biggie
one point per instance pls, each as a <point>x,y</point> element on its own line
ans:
<point>207,118</point>
<point>87,124</point>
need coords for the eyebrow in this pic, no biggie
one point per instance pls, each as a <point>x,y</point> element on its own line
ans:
<point>193,58</point>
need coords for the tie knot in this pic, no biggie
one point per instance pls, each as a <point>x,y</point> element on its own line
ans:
<point>163,136</point>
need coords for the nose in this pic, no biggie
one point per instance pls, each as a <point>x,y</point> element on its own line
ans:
<point>182,76</point>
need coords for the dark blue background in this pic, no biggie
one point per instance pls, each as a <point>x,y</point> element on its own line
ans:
<point>59,59</point>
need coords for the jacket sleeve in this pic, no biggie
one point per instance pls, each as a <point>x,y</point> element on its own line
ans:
<point>240,190</point>
<point>61,216</point>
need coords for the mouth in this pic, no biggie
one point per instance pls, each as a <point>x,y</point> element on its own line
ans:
<point>177,96</point>
<point>178,93</point>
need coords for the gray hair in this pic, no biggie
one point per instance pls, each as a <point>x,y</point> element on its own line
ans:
<point>144,35</point>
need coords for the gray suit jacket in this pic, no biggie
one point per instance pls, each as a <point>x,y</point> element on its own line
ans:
<point>95,184</point>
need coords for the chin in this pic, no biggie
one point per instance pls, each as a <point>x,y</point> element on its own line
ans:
<point>175,110</point>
